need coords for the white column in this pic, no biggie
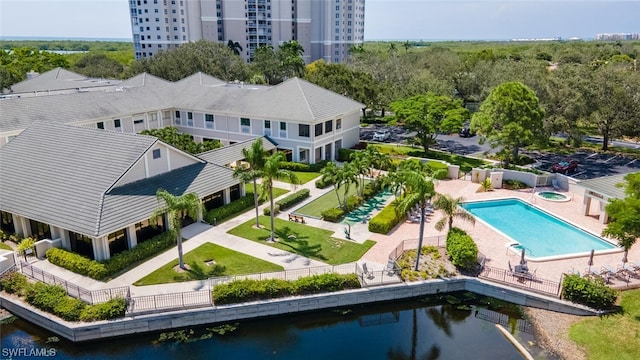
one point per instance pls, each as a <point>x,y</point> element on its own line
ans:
<point>226,195</point>
<point>132,236</point>
<point>604,217</point>
<point>100,248</point>
<point>586,204</point>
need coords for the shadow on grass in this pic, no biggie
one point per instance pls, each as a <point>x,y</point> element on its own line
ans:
<point>298,244</point>
<point>198,272</point>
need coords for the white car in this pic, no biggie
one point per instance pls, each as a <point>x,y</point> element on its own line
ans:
<point>381,135</point>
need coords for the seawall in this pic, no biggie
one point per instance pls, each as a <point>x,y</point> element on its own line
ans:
<point>163,321</point>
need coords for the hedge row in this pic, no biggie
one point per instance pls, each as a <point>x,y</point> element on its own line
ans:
<point>386,220</point>
<point>345,154</point>
<point>323,184</point>
<point>100,270</point>
<point>461,248</point>
<point>288,201</point>
<point>593,293</point>
<point>251,290</point>
<point>303,167</point>
<point>54,299</point>
<point>231,209</point>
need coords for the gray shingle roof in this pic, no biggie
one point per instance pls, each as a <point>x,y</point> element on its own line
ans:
<point>136,201</point>
<point>60,79</point>
<point>228,154</point>
<point>18,114</point>
<point>58,174</point>
<point>606,185</point>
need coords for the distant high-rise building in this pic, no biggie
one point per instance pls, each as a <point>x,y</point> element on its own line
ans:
<point>326,29</point>
<point>618,36</point>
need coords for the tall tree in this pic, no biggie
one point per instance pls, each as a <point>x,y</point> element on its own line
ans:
<point>251,170</point>
<point>510,117</point>
<point>290,55</point>
<point>419,191</point>
<point>624,214</point>
<point>429,115</point>
<point>272,171</point>
<point>176,207</point>
<point>450,207</point>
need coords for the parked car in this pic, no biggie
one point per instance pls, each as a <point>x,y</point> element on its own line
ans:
<point>381,135</point>
<point>565,167</point>
<point>466,132</point>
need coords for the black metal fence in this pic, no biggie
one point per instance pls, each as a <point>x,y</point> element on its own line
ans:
<point>168,302</point>
<point>412,244</point>
<point>523,281</point>
<point>73,290</point>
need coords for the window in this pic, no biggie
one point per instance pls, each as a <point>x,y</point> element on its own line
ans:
<point>267,127</point>
<point>245,125</point>
<point>118,242</point>
<point>156,153</point>
<point>283,129</point>
<point>338,124</point>
<point>116,123</point>
<point>139,121</point>
<point>303,155</point>
<point>189,118</point>
<point>328,126</point>
<point>100,125</point>
<point>303,130</point>
<point>208,121</point>
<point>318,129</point>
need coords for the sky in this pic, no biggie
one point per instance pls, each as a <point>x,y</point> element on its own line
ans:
<point>384,19</point>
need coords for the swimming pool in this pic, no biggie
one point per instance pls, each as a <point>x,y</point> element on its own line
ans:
<point>542,235</point>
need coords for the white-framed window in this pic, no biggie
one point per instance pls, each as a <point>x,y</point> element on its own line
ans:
<point>137,122</point>
<point>303,130</point>
<point>117,124</point>
<point>208,121</point>
<point>245,125</point>
<point>156,153</point>
<point>189,118</point>
<point>283,129</point>
<point>178,120</point>
<point>338,124</point>
<point>267,127</point>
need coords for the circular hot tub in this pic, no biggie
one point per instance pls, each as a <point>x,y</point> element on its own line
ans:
<point>553,196</point>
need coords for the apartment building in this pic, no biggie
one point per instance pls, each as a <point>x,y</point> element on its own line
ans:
<point>326,29</point>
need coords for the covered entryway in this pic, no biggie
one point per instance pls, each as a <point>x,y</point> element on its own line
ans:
<point>601,190</point>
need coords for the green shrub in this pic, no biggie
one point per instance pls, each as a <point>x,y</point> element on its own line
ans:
<point>293,199</point>
<point>353,202</point>
<point>69,308</point>
<point>323,184</point>
<point>251,290</point>
<point>100,270</point>
<point>593,293</point>
<point>461,248</point>
<point>514,184</point>
<point>333,215</point>
<point>112,309</point>
<point>295,166</point>
<point>386,220</point>
<point>44,296</point>
<point>435,166</point>
<point>77,263</point>
<point>345,154</point>
<point>14,283</point>
<point>231,209</point>
<point>267,211</point>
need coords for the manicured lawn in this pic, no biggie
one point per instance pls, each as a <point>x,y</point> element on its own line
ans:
<point>227,262</point>
<point>309,241</point>
<point>4,246</point>
<point>614,336</point>
<point>327,201</point>
<point>304,177</point>
<point>276,191</point>
<point>403,150</point>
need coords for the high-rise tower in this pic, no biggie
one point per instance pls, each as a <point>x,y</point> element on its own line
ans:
<point>326,29</point>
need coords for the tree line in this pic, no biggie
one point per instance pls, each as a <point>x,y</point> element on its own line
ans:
<point>583,87</point>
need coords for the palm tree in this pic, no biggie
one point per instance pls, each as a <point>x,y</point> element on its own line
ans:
<point>407,45</point>
<point>332,173</point>
<point>270,172</point>
<point>175,207</point>
<point>450,206</point>
<point>361,164</point>
<point>234,46</point>
<point>419,190</point>
<point>251,170</point>
<point>376,159</point>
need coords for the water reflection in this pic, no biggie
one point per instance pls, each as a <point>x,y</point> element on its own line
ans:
<point>433,328</point>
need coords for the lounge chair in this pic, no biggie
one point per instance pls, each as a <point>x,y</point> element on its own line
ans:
<point>554,183</point>
<point>365,270</point>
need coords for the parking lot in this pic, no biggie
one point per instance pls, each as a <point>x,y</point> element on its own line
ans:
<point>590,164</point>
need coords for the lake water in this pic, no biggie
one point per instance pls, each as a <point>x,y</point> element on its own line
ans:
<point>431,328</point>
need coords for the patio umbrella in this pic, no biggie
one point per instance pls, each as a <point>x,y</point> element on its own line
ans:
<point>591,259</point>
<point>522,260</point>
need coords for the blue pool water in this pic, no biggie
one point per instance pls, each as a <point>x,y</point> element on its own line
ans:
<point>538,232</point>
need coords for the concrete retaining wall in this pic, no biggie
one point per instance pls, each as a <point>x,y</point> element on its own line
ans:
<point>79,332</point>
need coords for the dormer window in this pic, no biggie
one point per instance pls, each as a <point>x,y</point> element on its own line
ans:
<point>156,153</point>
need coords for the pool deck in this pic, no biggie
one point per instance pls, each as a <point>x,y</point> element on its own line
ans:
<point>494,245</point>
